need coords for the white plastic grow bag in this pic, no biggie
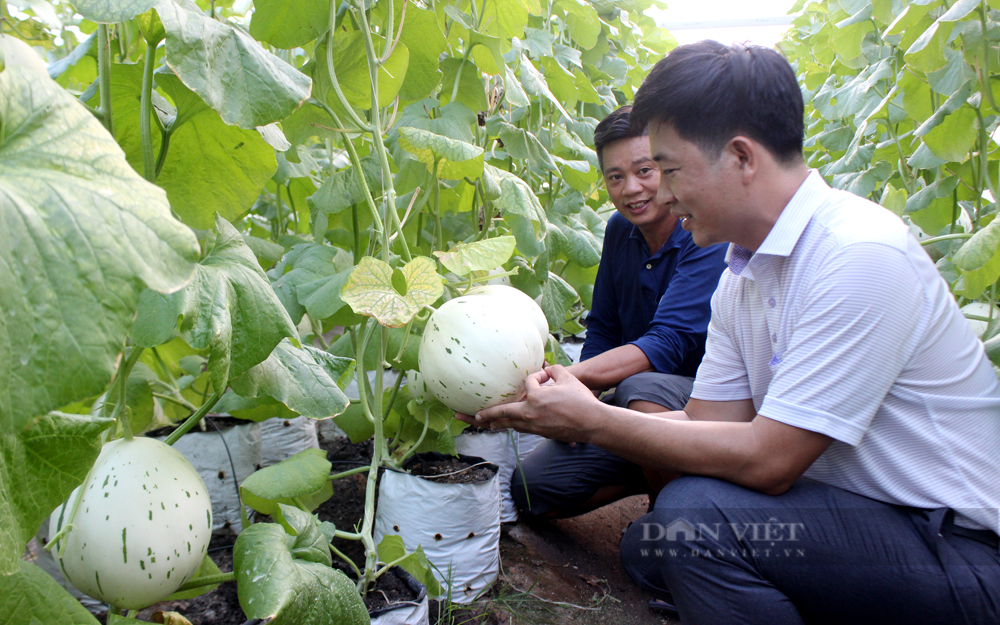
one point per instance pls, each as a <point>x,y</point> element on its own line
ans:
<point>416,613</point>
<point>458,525</point>
<point>207,452</point>
<point>527,443</point>
<point>283,438</point>
<point>498,448</point>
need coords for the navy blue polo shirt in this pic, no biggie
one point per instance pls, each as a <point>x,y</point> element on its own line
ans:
<point>661,302</point>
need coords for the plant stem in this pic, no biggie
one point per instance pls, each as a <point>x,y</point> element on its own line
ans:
<point>120,415</point>
<point>336,552</point>
<point>208,580</point>
<point>337,476</point>
<point>331,72</point>
<point>946,237</point>
<point>145,110</point>
<point>104,76</point>
<point>193,419</point>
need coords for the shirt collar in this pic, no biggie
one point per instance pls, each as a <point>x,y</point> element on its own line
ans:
<point>673,241</point>
<point>791,223</point>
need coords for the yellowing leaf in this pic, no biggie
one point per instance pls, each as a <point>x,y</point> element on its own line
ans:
<point>484,255</point>
<point>369,290</point>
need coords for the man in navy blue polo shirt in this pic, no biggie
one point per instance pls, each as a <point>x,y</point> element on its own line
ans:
<point>645,332</point>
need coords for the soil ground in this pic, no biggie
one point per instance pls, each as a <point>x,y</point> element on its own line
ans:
<point>554,573</point>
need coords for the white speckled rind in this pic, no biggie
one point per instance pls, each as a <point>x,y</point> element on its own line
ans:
<point>476,351</point>
<point>142,528</point>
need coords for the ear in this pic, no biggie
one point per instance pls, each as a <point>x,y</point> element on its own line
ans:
<point>746,152</point>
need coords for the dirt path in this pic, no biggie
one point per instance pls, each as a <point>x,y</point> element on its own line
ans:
<point>574,561</point>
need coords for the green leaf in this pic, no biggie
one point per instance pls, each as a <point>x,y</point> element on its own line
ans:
<point>520,209</point>
<point>273,582</point>
<point>82,234</point>
<point>369,290</point>
<point>578,239</point>
<point>534,84</point>
<point>111,11</point>
<point>557,299</point>
<point>846,42</point>
<point>960,10</point>
<point>455,159</point>
<point>583,22</point>
<point>354,423</point>
<point>513,92</point>
<point>351,65</point>
<point>234,74</point>
<point>211,167</point>
<point>303,476</point>
<point>488,52</point>
<point>483,255</point>
<point>462,82</point>
<point>955,137</point>
<point>230,309</point>
<point>977,251</point>
<point>289,25</point>
<point>506,19</point>
<point>936,190</point>
<point>208,567</point>
<point>894,199</point>
<point>423,38</point>
<point>522,144</point>
<point>927,52</point>
<point>311,543</point>
<point>306,380</point>
<point>41,462</point>
<point>29,595</point>
<point>392,549</point>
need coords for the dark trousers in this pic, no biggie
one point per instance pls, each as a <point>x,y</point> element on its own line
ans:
<point>725,554</point>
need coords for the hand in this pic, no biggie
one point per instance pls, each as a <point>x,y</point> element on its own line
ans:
<point>556,405</point>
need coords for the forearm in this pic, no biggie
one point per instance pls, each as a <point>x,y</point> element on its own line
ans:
<point>608,369</point>
<point>670,441</point>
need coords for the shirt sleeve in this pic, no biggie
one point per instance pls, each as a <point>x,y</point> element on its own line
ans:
<point>604,326</point>
<point>682,314</point>
<point>722,375</point>
<point>856,331</point>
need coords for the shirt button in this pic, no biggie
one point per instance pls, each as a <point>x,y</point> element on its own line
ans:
<point>774,337</point>
<point>649,265</point>
<point>771,303</point>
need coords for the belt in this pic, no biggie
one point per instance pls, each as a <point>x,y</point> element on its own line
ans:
<point>987,537</point>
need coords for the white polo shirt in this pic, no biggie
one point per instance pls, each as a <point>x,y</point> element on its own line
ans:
<point>840,324</point>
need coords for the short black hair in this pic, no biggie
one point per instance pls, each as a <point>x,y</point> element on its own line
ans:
<point>615,126</point>
<point>710,92</point>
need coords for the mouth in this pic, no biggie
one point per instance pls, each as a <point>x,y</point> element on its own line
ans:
<point>638,207</point>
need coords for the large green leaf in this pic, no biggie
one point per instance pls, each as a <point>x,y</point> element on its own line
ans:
<point>304,476</point>
<point>211,167</point>
<point>462,82</point>
<point>927,52</point>
<point>956,135</point>
<point>230,309</point>
<point>82,233</point>
<point>557,298</point>
<point>307,263</point>
<point>483,255</point>
<point>30,596</point>
<point>274,581</point>
<point>350,62</point>
<point>41,462</point>
<point>373,289</point>
<point>289,25</point>
<point>111,11</point>
<point>422,37</point>
<point>455,159</point>
<point>583,22</point>
<point>306,380</point>
<point>522,144</point>
<point>234,74</point>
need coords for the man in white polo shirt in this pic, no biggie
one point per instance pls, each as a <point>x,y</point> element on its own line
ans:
<point>841,450</point>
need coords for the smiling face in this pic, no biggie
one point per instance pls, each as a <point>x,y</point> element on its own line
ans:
<point>697,188</point>
<point>632,180</point>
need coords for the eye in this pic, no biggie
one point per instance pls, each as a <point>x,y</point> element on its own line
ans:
<point>667,172</point>
<point>644,171</point>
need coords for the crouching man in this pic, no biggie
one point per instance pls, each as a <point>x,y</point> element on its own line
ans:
<point>840,448</point>
<point>645,332</point>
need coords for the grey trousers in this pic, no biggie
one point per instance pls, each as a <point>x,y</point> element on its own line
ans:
<point>816,554</point>
<point>562,476</point>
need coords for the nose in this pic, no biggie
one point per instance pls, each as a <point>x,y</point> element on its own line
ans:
<point>664,195</point>
<point>632,186</point>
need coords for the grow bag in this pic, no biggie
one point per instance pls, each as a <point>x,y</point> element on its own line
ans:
<point>496,447</point>
<point>283,438</point>
<point>527,443</point>
<point>411,613</point>
<point>458,525</point>
<point>207,451</point>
